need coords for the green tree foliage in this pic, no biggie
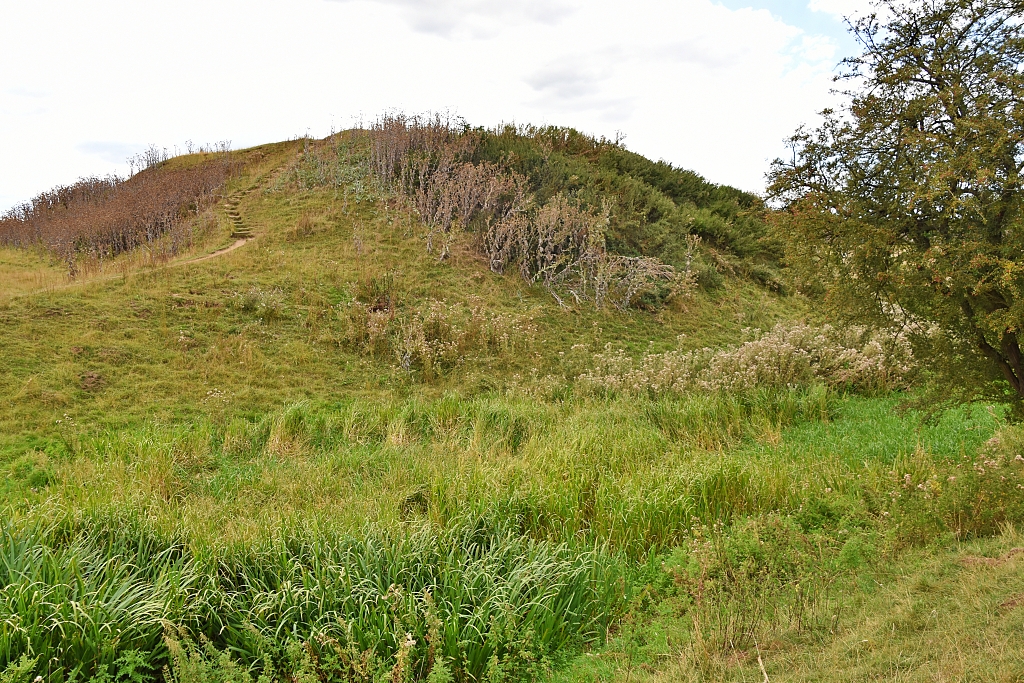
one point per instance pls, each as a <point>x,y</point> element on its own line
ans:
<point>905,205</point>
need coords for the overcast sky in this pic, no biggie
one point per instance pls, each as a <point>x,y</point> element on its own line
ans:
<point>713,86</point>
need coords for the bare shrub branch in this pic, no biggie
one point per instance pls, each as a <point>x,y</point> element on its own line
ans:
<point>104,217</point>
<point>560,244</point>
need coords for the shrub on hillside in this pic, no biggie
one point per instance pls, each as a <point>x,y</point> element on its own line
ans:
<point>434,338</point>
<point>787,355</point>
<point>520,190</point>
<point>975,495</point>
<point>107,216</point>
<point>264,303</point>
<point>559,242</point>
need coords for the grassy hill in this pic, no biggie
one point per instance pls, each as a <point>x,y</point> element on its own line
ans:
<point>432,402</point>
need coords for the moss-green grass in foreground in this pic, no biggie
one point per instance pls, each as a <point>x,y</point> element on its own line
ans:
<point>269,540</point>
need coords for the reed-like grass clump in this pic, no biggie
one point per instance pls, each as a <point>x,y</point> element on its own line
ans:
<point>474,599</point>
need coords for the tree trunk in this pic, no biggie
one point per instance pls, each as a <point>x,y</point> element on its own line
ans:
<point>1008,358</point>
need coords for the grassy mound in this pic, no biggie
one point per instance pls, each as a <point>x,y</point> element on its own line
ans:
<point>572,429</point>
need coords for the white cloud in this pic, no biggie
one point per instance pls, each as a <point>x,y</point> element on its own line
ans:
<point>83,85</point>
<point>111,152</point>
<point>816,49</point>
<point>841,8</point>
<point>570,79</point>
<point>23,103</point>
<point>475,18</point>
<point>581,85</point>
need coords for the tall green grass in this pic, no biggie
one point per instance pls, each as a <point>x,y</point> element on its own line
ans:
<point>477,596</point>
<point>632,473</point>
<point>479,537</point>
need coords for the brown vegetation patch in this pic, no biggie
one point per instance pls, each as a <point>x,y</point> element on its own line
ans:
<point>104,217</point>
<point>90,381</point>
<point>1013,602</point>
<point>975,561</point>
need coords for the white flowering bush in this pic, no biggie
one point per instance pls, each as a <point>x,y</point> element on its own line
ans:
<point>788,355</point>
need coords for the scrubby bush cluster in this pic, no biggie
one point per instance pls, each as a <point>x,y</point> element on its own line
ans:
<point>104,217</point>
<point>558,242</point>
<point>433,338</point>
<point>584,216</point>
<point>264,303</point>
<point>563,246</point>
<point>788,355</point>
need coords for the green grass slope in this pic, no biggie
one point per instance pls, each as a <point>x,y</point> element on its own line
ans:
<point>328,455</point>
<point>262,327</point>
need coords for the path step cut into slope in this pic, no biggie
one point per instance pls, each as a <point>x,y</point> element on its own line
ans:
<point>239,230</point>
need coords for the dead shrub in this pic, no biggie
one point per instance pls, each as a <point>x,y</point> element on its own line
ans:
<point>396,137</point>
<point>560,244</point>
<point>104,217</point>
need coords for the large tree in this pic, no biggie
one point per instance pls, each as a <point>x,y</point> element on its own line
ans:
<point>905,204</point>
